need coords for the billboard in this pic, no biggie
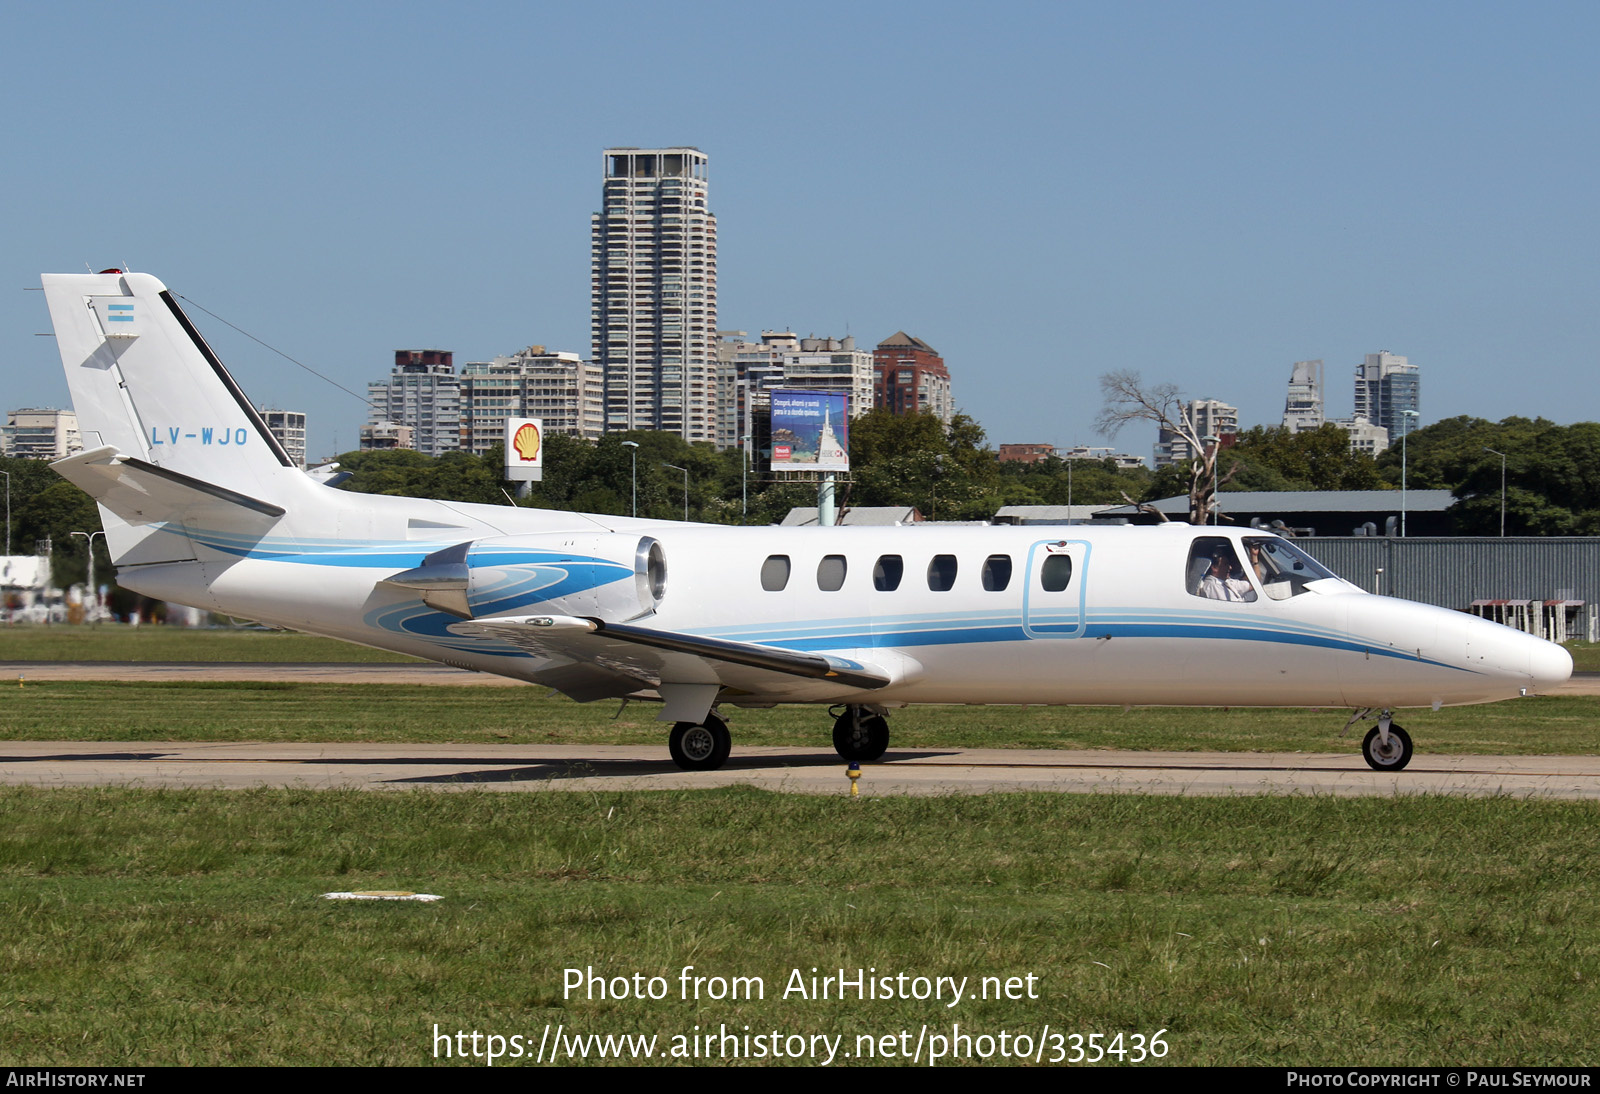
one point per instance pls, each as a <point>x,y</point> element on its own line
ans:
<point>810,430</point>
<point>524,450</point>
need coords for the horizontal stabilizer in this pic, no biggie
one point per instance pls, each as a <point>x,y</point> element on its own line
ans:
<point>142,493</point>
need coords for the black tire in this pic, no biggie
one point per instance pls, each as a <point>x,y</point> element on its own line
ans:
<point>1398,754</point>
<point>700,746</point>
<point>863,742</point>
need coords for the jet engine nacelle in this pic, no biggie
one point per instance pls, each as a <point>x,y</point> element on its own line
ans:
<point>609,576</point>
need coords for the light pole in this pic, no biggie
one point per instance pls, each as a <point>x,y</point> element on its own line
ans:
<point>1406,417</point>
<point>685,471</point>
<point>7,474</point>
<point>1502,456</point>
<point>93,589</point>
<point>633,451</point>
<point>1069,491</point>
<point>744,482</point>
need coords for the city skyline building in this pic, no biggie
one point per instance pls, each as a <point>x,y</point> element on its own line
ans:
<point>833,365</point>
<point>384,436</point>
<point>1364,436</point>
<point>747,371</point>
<point>40,433</point>
<point>565,392</point>
<point>1303,409</point>
<point>910,377</point>
<point>1207,418</point>
<point>422,392</point>
<point>1387,386</point>
<point>653,292</point>
<point>289,426</point>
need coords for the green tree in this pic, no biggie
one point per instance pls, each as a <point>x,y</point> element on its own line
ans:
<point>1552,473</point>
<point>1317,459</point>
<point>912,459</point>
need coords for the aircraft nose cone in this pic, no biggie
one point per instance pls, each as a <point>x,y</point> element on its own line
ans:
<point>1550,666</point>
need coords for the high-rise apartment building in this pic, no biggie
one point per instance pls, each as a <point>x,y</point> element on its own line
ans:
<point>1302,410</point>
<point>422,392</point>
<point>289,426</point>
<point>747,371</point>
<point>653,292</point>
<point>833,364</point>
<point>911,377</point>
<point>34,434</point>
<point>1207,418</point>
<point>382,436</point>
<point>1387,386</point>
<point>564,391</point>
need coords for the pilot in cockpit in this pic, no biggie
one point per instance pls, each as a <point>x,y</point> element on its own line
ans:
<point>1225,579</point>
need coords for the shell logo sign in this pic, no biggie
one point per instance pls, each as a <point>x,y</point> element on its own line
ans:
<point>526,442</point>
<point>524,450</point>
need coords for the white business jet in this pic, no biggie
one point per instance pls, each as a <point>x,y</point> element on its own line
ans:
<point>202,506</point>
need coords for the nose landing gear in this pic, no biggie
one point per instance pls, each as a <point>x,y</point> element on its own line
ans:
<point>1386,747</point>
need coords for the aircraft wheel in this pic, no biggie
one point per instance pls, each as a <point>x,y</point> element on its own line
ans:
<point>863,740</point>
<point>700,746</point>
<point>1393,758</point>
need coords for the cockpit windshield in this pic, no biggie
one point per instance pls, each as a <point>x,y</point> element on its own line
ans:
<point>1282,568</point>
<point>1221,568</point>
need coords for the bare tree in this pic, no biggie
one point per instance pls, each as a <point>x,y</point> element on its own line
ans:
<point>1127,399</point>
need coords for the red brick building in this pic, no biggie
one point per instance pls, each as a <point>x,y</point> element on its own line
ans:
<point>1026,453</point>
<point>909,376</point>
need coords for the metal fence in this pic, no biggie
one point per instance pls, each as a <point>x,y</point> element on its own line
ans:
<point>1455,571</point>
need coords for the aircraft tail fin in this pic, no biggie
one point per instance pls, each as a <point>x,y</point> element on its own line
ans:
<point>145,383</point>
<point>171,443</point>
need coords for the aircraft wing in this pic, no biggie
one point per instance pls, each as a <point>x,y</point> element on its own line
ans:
<point>650,657</point>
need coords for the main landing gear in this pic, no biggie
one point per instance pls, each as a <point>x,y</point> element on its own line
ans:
<point>1386,747</point>
<point>702,746</point>
<point>859,735</point>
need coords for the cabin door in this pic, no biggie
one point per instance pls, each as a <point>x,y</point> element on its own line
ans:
<point>1054,600</point>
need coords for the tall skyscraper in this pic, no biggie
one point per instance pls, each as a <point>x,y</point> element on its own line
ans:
<point>1387,385</point>
<point>653,292</point>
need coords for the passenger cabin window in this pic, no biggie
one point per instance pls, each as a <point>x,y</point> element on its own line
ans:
<point>1215,573</point>
<point>1056,573</point>
<point>830,573</point>
<point>942,573</point>
<point>996,573</point>
<point>887,573</point>
<point>775,573</point>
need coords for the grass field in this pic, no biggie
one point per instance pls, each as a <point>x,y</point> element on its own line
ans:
<point>120,642</point>
<point>186,927</point>
<point>267,711</point>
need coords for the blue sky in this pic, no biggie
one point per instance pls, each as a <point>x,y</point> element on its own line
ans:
<point>1203,192</point>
